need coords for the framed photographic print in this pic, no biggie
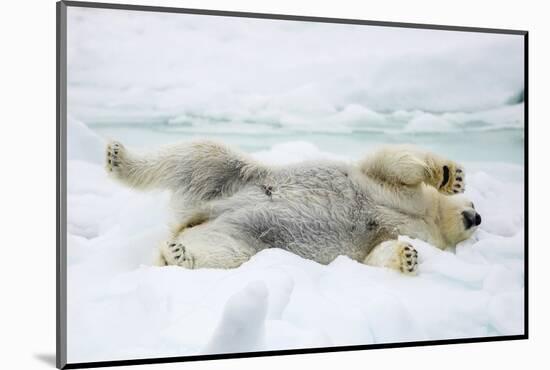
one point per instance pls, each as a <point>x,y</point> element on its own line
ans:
<point>237,184</point>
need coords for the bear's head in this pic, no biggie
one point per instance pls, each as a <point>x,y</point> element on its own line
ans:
<point>458,218</point>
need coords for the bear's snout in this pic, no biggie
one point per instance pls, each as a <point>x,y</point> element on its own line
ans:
<point>471,218</point>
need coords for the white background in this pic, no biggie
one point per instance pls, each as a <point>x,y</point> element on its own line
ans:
<point>27,322</point>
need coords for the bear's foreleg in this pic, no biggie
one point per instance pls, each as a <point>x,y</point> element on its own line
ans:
<point>394,254</point>
<point>410,166</point>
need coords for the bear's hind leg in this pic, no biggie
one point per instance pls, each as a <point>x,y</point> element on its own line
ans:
<point>174,253</point>
<point>201,247</point>
<point>139,172</point>
<point>201,170</point>
<point>394,254</point>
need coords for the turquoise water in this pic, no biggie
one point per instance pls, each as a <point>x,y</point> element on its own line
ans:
<point>500,145</point>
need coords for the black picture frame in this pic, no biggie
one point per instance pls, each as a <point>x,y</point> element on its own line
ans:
<point>61,193</point>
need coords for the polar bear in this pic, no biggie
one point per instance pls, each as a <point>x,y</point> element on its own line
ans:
<point>230,207</point>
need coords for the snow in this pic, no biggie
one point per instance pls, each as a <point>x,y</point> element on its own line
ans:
<point>242,325</point>
<point>84,144</point>
<point>120,306</point>
<point>181,69</point>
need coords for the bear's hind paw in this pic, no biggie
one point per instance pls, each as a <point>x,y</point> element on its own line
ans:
<point>175,253</point>
<point>114,156</point>
<point>409,259</point>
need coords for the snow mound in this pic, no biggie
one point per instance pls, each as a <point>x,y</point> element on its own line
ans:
<point>241,327</point>
<point>84,144</point>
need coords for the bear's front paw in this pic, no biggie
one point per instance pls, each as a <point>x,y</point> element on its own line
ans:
<point>452,179</point>
<point>408,257</point>
<point>114,157</point>
<point>175,253</point>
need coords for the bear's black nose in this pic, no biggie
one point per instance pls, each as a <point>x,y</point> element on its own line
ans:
<point>471,218</point>
<point>478,219</point>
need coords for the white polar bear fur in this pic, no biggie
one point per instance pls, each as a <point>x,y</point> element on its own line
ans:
<point>229,207</point>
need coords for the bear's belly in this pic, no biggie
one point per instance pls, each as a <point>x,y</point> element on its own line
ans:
<point>314,225</point>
